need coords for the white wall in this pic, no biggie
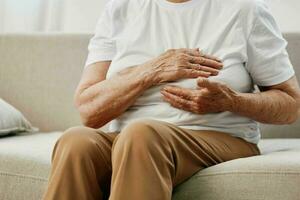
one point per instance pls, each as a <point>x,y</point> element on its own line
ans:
<point>287,14</point>
<point>49,15</point>
<point>82,15</point>
<point>19,15</point>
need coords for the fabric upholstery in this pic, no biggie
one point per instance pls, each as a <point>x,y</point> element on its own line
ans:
<point>24,165</point>
<point>39,74</point>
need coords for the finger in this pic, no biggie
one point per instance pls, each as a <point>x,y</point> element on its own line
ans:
<point>205,62</point>
<point>209,56</point>
<point>199,53</point>
<point>212,57</point>
<point>180,92</point>
<point>213,71</point>
<point>177,102</point>
<point>191,52</point>
<point>192,73</point>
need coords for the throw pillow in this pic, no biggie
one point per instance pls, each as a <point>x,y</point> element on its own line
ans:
<point>13,121</point>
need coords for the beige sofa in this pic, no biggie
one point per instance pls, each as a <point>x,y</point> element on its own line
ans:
<point>38,75</point>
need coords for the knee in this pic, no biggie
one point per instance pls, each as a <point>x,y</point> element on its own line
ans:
<point>140,135</point>
<point>77,141</point>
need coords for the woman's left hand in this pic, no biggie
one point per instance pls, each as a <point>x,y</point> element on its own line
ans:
<point>210,97</point>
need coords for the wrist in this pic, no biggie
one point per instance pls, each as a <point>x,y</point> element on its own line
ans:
<point>237,102</point>
<point>137,74</point>
<point>146,74</point>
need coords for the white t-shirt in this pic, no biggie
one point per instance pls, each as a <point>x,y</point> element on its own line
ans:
<point>242,33</point>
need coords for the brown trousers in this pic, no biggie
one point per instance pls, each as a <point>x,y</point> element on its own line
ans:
<point>143,162</point>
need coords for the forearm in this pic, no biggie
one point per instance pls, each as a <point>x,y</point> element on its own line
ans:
<point>272,107</point>
<point>99,100</point>
<point>106,100</point>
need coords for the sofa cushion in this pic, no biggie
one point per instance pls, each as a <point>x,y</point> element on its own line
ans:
<point>25,166</point>
<point>12,120</point>
<point>274,175</point>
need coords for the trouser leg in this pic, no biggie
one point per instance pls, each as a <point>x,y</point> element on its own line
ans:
<point>81,165</point>
<point>150,157</point>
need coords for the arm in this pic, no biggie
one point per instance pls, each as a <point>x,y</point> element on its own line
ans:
<point>100,100</point>
<point>267,59</point>
<point>278,104</point>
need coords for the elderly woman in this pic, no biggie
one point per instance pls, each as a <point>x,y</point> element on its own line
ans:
<point>175,79</point>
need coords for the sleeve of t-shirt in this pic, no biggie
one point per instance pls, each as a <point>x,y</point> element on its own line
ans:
<point>268,61</point>
<point>102,46</point>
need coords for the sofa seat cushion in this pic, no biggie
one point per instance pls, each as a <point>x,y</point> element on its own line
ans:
<point>274,175</point>
<point>25,166</point>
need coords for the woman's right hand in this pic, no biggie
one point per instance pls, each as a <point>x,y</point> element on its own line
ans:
<point>176,64</point>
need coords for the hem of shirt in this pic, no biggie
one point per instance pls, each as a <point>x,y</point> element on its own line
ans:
<point>98,58</point>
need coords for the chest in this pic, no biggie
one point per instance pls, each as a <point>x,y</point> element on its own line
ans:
<point>154,31</point>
